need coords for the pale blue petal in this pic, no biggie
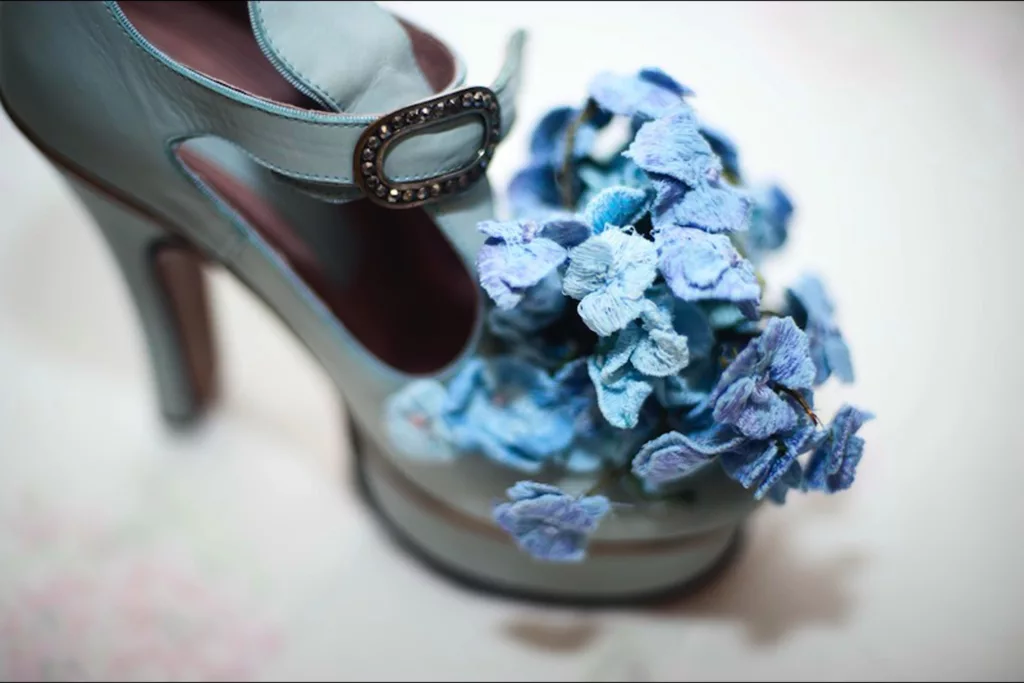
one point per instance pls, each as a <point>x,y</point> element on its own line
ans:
<point>414,422</point>
<point>621,398</point>
<point>616,206</point>
<point>787,345</point>
<point>651,93</point>
<point>608,310</point>
<point>661,353</point>
<point>533,193</point>
<point>506,271</point>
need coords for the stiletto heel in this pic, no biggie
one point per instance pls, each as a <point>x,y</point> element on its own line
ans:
<point>165,278</point>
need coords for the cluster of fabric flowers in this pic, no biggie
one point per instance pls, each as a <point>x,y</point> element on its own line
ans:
<point>629,329</point>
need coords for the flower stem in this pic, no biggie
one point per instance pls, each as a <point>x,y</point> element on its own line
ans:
<point>565,184</point>
<point>795,395</point>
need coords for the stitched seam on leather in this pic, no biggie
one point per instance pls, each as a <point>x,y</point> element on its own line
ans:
<point>306,80</point>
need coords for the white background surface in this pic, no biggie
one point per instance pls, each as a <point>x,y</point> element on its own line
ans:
<point>897,130</point>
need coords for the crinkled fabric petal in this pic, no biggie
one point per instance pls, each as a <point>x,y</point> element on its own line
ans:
<point>788,348</point>
<point>769,220</point>
<point>756,411</point>
<point>533,193</point>
<point>524,490</point>
<point>552,526</point>
<point>712,208</point>
<point>590,267</point>
<point>673,146</point>
<point>607,311</point>
<point>818,475</point>
<point>621,397</point>
<point>725,148</point>
<point>750,462</point>
<point>791,479</point>
<point>566,232</point>
<point>672,456</point>
<point>616,350</point>
<point>414,421</point>
<point>651,94</point>
<point>811,302</point>
<point>636,262</point>
<point>700,266</point>
<point>541,306</point>
<point>616,206</point>
<point>660,354</point>
<point>507,270</point>
<point>837,357</point>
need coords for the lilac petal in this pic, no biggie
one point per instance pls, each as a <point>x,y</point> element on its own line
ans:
<point>791,364</point>
<point>710,208</point>
<point>756,411</point>
<point>615,206</point>
<point>672,456</point>
<point>673,146</point>
<point>700,266</point>
<point>507,270</point>
<point>621,398</point>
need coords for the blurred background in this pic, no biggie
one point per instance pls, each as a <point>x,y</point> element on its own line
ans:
<point>238,551</point>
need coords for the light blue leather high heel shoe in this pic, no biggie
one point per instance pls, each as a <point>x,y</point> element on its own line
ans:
<point>329,156</point>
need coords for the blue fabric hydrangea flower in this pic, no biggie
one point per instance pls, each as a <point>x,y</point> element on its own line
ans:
<point>747,395</point>
<point>763,464</point>
<point>769,222</point>
<point>519,254</point>
<point>415,422</point>
<point>698,266</point>
<point>727,151</point>
<point>833,465</point>
<point>620,171</point>
<point>792,478</point>
<point>548,523</point>
<point>624,363</point>
<point>609,274</point>
<point>811,307</point>
<point>686,174</point>
<point>650,94</point>
<point>533,193</point>
<point>673,456</point>
<point>508,410</point>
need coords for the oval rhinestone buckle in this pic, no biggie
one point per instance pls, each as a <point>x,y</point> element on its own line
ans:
<point>385,132</point>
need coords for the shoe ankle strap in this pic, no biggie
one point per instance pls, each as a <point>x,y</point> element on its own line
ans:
<point>323,154</point>
<point>395,159</point>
